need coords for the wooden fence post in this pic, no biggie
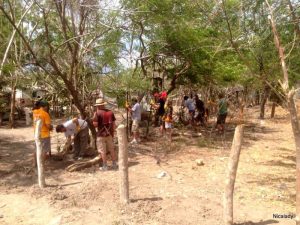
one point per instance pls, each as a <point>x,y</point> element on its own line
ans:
<point>40,163</point>
<point>123,164</point>
<point>231,174</point>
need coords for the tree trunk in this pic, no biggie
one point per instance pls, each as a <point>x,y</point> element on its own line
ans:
<point>273,109</point>
<point>77,102</point>
<point>27,116</point>
<point>123,164</point>
<point>12,107</point>
<point>296,132</point>
<point>127,117</point>
<point>39,157</point>
<point>263,101</point>
<point>231,174</point>
<point>292,108</point>
<point>257,100</point>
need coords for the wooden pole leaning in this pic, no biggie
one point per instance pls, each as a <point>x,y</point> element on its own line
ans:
<point>123,164</point>
<point>231,174</point>
<point>39,155</point>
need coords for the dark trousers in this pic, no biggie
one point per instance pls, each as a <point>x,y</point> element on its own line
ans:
<point>81,142</point>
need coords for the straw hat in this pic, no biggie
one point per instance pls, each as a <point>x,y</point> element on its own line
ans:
<point>100,102</point>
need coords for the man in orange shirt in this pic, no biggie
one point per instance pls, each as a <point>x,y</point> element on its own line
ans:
<point>41,112</point>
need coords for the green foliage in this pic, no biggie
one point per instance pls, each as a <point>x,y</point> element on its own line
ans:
<point>188,37</point>
<point>116,85</point>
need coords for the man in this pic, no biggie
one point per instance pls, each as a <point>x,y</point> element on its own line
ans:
<point>200,109</point>
<point>222,113</point>
<point>161,110</point>
<point>40,112</point>
<point>189,103</point>
<point>104,121</point>
<point>77,128</point>
<point>136,115</point>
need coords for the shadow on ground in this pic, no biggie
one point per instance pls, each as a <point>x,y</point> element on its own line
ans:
<point>17,167</point>
<point>266,222</point>
<point>154,199</point>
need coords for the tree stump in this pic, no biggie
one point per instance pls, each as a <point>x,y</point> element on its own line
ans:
<point>231,175</point>
<point>123,164</point>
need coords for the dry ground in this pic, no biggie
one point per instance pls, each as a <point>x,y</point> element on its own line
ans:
<point>188,194</point>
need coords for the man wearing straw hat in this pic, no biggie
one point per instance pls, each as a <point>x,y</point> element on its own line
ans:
<point>104,121</point>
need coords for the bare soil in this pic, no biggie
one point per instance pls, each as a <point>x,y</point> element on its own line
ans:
<point>186,194</point>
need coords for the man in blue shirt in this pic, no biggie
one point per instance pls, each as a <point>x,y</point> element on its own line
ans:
<point>190,104</point>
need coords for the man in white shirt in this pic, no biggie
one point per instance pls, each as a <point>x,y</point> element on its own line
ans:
<point>77,128</point>
<point>136,115</point>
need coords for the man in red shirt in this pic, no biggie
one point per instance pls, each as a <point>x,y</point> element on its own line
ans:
<point>104,121</point>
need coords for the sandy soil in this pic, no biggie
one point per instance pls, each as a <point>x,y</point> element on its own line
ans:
<point>188,194</point>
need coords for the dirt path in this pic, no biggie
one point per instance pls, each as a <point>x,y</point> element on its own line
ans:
<point>187,194</point>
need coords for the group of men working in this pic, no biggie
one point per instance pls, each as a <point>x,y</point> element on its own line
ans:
<point>76,130</point>
<point>198,113</point>
<point>163,114</point>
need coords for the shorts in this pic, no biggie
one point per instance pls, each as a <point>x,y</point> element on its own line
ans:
<point>46,144</point>
<point>221,118</point>
<point>104,144</point>
<point>135,125</point>
<point>168,125</point>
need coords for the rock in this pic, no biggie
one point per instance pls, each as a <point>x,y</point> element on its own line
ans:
<point>161,175</point>
<point>199,162</point>
<point>282,186</point>
<point>186,134</point>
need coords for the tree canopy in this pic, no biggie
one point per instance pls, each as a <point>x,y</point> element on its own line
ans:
<point>70,46</point>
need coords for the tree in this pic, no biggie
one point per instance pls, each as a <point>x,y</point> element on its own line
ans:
<point>291,105</point>
<point>61,28</point>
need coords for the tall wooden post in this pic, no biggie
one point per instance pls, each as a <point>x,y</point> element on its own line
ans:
<point>39,157</point>
<point>231,174</point>
<point>123,164</point>
<point>12,106</point>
